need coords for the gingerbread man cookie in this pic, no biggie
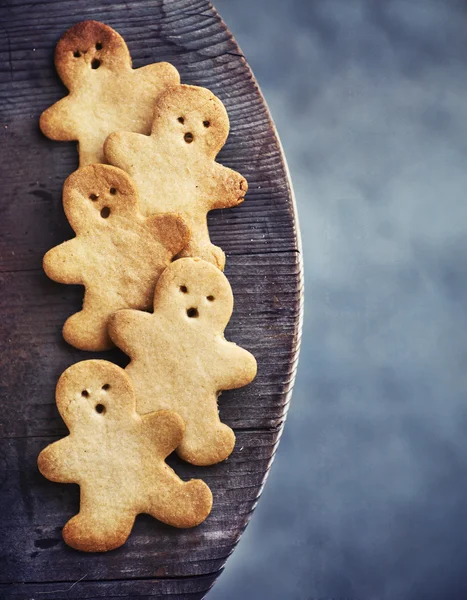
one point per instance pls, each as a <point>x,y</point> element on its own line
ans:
<point>117,253</point>
<point>106,94</point>
<point>180,359</point>
<point>118,460</point>
<point>175,169</point>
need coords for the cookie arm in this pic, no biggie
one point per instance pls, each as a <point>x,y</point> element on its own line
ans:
<point>58,121</point>
<point>121,149</point>
<point>239,366</point>
<point>164,429</point>
<point>162,75</point>
<point>127,328</point>
<point>64,263</point>
<point>170,230</point>
<point>229,188</point>
<point>58,462</point>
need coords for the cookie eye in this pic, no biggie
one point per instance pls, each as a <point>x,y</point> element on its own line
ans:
<point>188,137</point>
<point>210,298</point>
<point>98,46</point>
<point>85,394</point>
<point>106,386</point>
<point>192,313</point>
<point>100,408</point>
<point>96,63</point>
<point>113,191</point>
<point>105,212</point>
<point>184,289</point>
<point>206,123</point>
<point>76,53</point>
<point>93,197</point>
<point>181,120</point>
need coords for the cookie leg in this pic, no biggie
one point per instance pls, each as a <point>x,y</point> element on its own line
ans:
<point>217,256</point>
<point>206,448</point>
<point>87,330</point>
<point>91,150</point>
<point>179,503</point>
<point>208,252</point>
<point>98,529</point>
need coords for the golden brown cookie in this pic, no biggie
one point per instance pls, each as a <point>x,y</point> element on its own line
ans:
<point>118,460</point>
<point>175,169</point>
<point>180,359</point>
<point>117,253</point>
<point>106,94</point>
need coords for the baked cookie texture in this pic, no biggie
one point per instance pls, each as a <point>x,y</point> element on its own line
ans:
<point>118,459</point>
<point>106,93</point>
<point>180,359</point>
<point>175,168</point>
<point>117,254</point>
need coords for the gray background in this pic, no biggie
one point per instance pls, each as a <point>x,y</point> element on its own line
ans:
<point>367,498</point>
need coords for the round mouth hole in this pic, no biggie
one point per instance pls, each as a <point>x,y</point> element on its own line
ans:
<point>210,298</point>
<point>85,394</point>
<point>76,53</point>
<point>98,46</point>
<point>181,120</point>
<point>93,197</point>
<point>184,289</point>
<point>206,123</point>
<point>100,408</point>
<point>188,137</point>
<point>96,63</point>
<point>105,212</point>
<point>106,386</point>
<point>113,191</point>
<point>192,313</point>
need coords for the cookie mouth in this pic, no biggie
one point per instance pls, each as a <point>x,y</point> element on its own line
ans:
<point>192,313</point>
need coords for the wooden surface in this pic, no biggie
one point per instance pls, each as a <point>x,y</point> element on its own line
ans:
<point>263,265</point>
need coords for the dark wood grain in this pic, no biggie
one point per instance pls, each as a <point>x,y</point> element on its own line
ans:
<point>263,264</point>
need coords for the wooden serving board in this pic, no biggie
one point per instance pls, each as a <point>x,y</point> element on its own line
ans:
<point>261,241</point>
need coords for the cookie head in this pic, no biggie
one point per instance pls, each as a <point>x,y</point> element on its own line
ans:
<point>87,50</point>
<point>95,393</point>
<point>196,293</point>
<point>93,195</point>
<point>192,118</point>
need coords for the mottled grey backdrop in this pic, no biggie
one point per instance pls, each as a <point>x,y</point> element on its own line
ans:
<point>367,498</point>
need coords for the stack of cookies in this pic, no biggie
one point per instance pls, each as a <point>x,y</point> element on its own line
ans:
<point>153,286</point>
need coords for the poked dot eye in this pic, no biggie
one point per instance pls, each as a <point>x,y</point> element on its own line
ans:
<point>210,298</point>
<point>85,394</point>
<point>206,123</point>
<point>105,212</point>
<point>95,63</point>
<point>184,289</point>
<point>98,46</point>
<point>100,408</point>
<point>76,53</point>
<point>113,191</point>
<point>192,313</point>
<point>93,197</point>
<point>181,120</point>
<point>188,137</point>
<point>106,386</point>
